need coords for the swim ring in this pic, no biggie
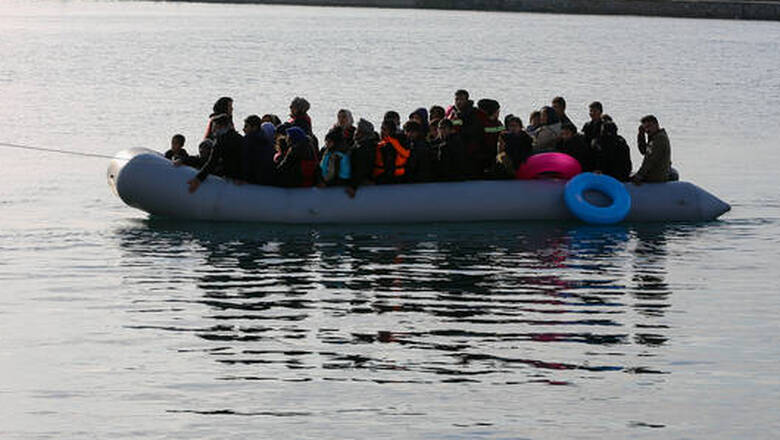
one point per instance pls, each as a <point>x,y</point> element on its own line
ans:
<point>549,165</point>
<point>585,211</point>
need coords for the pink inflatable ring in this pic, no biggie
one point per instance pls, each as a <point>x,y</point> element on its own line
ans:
<point>549,165</point>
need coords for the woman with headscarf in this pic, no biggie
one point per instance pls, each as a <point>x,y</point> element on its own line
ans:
<point>548,131</point>
<point>346,123</point>
<point>223,106</point>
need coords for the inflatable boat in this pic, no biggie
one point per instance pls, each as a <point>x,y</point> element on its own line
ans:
<point>144,179</point>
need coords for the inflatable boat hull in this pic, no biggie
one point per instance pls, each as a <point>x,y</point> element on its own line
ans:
<point>144,179</point>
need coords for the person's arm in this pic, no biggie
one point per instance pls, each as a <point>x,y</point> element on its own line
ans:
<point>207,169</point>
<point>641,141</point>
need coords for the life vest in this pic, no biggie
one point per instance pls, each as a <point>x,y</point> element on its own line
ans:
<point>401,156</point>
<point>328,166</point>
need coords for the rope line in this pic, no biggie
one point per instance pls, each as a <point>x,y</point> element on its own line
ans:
<point>55,150</point>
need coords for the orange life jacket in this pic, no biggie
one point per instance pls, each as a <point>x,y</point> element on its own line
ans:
<point>401,156</point>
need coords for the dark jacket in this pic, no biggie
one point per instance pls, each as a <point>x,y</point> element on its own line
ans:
<point>450,159</point>
<point>227,153</point>
<point>471,132</point>
<point>577,148</point>
<point>298,167</point>
<point>363,156</point>
<point>591,130</point>
<point>420,168</point>
<point>258,163</point>
<point>615,157</point>
<point>657,160</point>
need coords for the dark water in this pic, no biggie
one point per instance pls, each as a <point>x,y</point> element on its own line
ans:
<point>113,325</point>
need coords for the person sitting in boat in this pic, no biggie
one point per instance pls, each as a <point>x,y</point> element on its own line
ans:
<point>391,156</point>
<point>335,166</point>
<point>363,156</point>
<point>227,151</point>
<point>299,116</point>
<point>592,128</point>
<point>513,150</point>
<point>298,166</point>
<point>654,145</point>
<point>258,153</point>
<point>548,131</point>
<point>436,113</point>
<point>559,105</point>
<point>533,123</point>
<point>488,113</point>
<point>420,116</point>
<point>223,106</point>
<point>514,126</point>
<point>573,144</point>
<point>615,155</point>
<point>177,151</point>
<point>420,167</point>
<point>346,123</point>
<point>469,128</point>
<point>449,154</point>
<point>272,118</point>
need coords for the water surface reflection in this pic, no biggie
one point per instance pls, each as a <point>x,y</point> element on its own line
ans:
<point>492,303</point>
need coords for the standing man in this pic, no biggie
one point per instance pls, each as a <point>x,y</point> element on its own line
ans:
<point>654,145</point>
<point>559,105</point>
<point>592,128</point>
<point>470,129</point>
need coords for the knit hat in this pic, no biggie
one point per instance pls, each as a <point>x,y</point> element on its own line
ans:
<point>365,126</point>
<point>269,131</point>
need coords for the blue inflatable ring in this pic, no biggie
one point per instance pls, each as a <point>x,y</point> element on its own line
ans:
<point>602,215</point>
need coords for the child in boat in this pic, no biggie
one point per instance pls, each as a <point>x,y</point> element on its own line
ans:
<point>335,166</point>
<point>177,151</point>
<point>449,154</point>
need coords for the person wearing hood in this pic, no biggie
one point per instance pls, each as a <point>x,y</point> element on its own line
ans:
<point>335,166</point>
<point>449,154</point>
<point>223,106</point>
<point>513,150</point>
<point>421,117</point>
<point>299,114</point>
<point>227,152</point>
<point>363,156</point>
<point>654,145</point>
<point>548,131</point>
<point>346,123</point>
<point>298,167</point>
<point>468,126</point>
<point>488,113</point>
<point>420,167</point>
<point>615,157</point>
<point>390,163</point>
<point>258,158</point>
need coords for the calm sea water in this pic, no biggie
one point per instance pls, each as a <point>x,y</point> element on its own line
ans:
<point>113,325</point>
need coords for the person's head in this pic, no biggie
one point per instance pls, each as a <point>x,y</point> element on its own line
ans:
<point>606,118</point>
<point>221,123</point>
<point>436,113</point>
<point>535,118</point>
<point>295,135</point>
<point>650,124</point>
<point>568,131</point>
<point>364,129</point>
<point>433,128</point>
<point>559,105</point>
<point>252,124</point>
<point>272,118</point>
<point>299,106</point>
<point>420,116</point>
<point>595,109</point>
<point>514,124</point>
<point>461,99</point>
<point>269,131</point>
<point>548,116</point>
<point>177,142</point>
<point>490,107</point>
<point>344,118</point>
<point>445,128</point>
<point>223,105</point>
<point>392,115</point>
<point>414,130</point>
<point>609,129</point>
<point>204,148</point>
<point>389,127</point>
<point>334,138</point>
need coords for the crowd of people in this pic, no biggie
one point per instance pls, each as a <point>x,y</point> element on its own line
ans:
<point>463,142</point>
